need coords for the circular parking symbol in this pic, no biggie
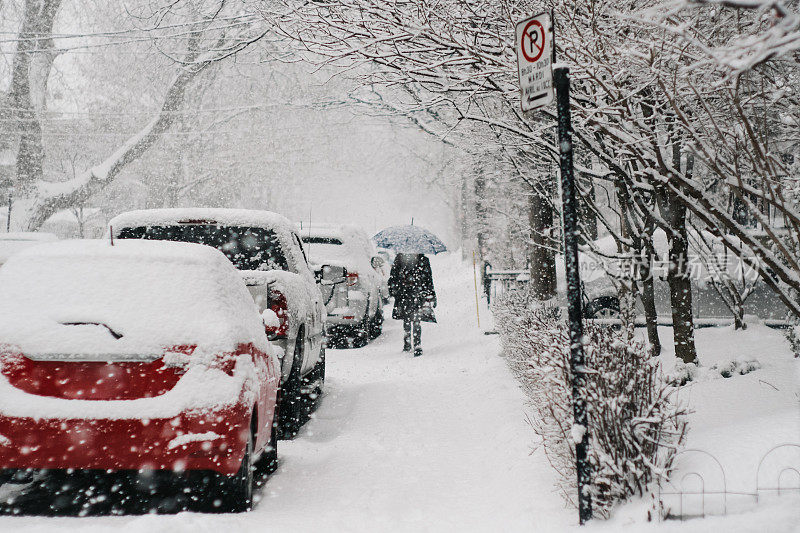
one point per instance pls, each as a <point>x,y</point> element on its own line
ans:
<point>532,44</point>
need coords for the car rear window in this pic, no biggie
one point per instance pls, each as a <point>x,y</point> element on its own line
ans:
<point>325,249</point>
<point>248,248</point>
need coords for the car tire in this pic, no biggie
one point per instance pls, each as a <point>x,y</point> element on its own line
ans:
<point>290,406</point>
<point>321,365</point>
<point>376,325</point>
<point>268,462</point>
<point>603,307</point>
<point>234,494</point>
<point>361,335</point>
<point>315,381</point>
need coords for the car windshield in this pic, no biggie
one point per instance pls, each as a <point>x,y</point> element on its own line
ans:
<point>320,249</point>
<point>247,248</point>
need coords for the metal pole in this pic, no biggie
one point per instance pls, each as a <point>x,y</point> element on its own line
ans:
<point>577,368</point>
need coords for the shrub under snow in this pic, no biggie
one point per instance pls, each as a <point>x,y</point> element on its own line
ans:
<point>635,426</point>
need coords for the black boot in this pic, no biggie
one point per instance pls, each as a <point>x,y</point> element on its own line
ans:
<point>417,351</point>
<point>407,346</point>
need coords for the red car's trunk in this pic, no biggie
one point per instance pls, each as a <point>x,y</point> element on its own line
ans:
<point>89,380</point>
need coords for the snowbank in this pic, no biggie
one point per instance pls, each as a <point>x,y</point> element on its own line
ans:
<point>736,425</point>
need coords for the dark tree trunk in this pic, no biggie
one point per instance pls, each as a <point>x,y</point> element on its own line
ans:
<point>480,213</point>
<point>648,294</point>
<point>34,43</point>
<point>464,218</point>
<point>680,290</point>
<point>627,288</point>
<point>542,254</point>
<point>588,217</point>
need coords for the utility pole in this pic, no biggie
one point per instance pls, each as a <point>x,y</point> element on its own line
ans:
<point>571,234</point>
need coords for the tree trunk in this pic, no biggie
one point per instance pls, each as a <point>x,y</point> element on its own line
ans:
<point>466,237</point>
<point>648,294</point>
<point>29,74</point>
<point>480,213</point>
<point>680,285</point>
<point>627,287</point>
<point>94,179</point>
<point>680,292</point>
<point>542,256</point>
<point>588,217</point>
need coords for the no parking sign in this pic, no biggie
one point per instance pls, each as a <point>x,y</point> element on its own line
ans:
<point>534,46</point>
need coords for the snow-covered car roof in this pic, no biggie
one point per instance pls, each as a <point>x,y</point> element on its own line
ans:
<point>14,242</point>
<point>355,254</point>
<point>135,297</point>
<point>333,231</point>
<point>201,215</point>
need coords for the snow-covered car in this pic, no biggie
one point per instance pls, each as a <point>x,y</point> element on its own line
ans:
<point>145,356</point>
<point>355,307</point>
<point>267,251</point>
<point>713,270</point>
<point>15,242</point>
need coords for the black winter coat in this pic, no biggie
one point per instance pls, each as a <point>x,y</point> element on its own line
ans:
<point>412,286</point>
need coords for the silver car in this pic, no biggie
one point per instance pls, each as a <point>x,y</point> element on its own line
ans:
<point>355,304</point>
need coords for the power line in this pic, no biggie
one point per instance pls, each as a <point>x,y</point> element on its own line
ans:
<point>113,33</point>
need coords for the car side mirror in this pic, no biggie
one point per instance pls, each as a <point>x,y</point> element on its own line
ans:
<point>329,275</point>
<point>377,262</point>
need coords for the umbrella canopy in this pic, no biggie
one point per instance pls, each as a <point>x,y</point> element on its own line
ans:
<point>409,240</point>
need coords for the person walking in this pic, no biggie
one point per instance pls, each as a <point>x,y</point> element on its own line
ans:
<point>411,284</point>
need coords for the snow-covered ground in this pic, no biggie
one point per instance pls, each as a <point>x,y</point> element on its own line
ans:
<point>441,443</point>
<point>734,424</point>
<point>436,443</point>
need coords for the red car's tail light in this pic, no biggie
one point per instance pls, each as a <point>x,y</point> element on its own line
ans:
<point>279,306</point>
<point>352,278</point>
<point>95,380</point>
<point>92,380</point>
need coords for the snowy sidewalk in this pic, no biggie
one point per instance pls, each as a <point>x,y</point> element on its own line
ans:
<point>436,443</point>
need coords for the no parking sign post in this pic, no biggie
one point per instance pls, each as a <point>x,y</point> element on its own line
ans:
<point>537,78</point>
<point>535,52</point>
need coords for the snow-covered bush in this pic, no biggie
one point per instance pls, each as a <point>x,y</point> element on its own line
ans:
<point>635,426</point>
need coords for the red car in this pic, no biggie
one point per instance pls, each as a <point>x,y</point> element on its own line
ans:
<point>140,355</point>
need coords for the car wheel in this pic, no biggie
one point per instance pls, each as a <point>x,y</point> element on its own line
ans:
<point>362,332</point>
<point>376,325</point>
<point>234,494</point>
<point>268,462</point>
<point>290,406</point>
<point>603,307</point>
<point>321,365</point>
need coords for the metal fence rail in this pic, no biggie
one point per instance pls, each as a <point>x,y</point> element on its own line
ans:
<point>763,484</point>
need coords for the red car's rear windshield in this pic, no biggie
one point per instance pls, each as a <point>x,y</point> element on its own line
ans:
<point>247,248</point>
